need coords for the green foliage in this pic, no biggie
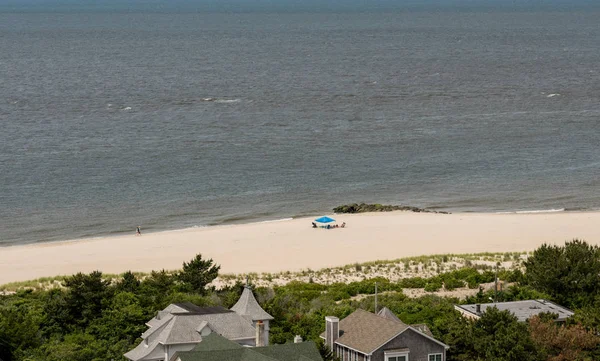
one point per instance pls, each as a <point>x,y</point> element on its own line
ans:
<point>569,273</point>
<point>198,273</point>
<point>496,336</point>
<point>412,282</point>
<point>325,351</point>
<point>434,284</point>
<point>129,283</point>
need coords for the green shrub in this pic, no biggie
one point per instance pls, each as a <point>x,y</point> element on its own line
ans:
<point>453,283</point>
<point>412,282</point>
<point>434,284</point>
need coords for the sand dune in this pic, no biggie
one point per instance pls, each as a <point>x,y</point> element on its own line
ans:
<point>294,245</point>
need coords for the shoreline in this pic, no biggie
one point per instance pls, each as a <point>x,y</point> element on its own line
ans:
<point>289,218</point>
<point>291,244</point>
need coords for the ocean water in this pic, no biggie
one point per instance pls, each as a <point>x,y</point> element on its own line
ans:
<point>174,119</point>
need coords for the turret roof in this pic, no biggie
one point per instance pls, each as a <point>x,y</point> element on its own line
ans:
<point>249,307</point>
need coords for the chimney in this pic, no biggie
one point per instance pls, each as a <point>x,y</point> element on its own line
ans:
<point>478,309</point>
<point>332,331</point>
<point>260,329</point>
<point>297,339</point>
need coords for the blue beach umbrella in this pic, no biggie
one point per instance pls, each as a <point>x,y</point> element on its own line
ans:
<point>324,219</point>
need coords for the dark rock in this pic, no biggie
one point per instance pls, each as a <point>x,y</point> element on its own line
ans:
<point>363,208</point>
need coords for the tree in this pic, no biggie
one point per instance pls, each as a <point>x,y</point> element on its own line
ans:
<point>325,351</point>
<point>5,349</point>
<point>129,283</point>
<point>569,274</point>
<point>562,342</point>
<point>85,296</point>
<point>499,336</point>
<point>198,273</point>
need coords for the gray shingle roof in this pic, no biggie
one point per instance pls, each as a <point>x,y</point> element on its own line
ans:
<point>214,342</point>
<point>248,306</point>
<point>243,354</point>
<point>387,313</point>
<point>522,309</point>
<point>366,332</point>
<point>188,307</point>
<point>292,351</point>
<point>176,325</point>
<point>217,348</point>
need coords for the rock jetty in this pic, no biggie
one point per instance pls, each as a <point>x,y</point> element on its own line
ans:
<point>364,207</point>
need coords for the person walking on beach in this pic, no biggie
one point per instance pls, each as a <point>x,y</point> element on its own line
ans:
<point>138,231</point>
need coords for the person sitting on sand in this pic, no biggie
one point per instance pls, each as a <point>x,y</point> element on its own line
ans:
<point>343,224</point>
<point>314,225</point>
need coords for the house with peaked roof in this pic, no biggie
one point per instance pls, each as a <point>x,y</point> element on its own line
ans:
<point>523,310</point>
<point>366,336</point>
<point>182,326</point>
<point>217,348</point>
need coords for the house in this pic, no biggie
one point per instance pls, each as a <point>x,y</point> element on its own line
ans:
<point>182,326</point>
<point>217,348</point>
<point>366,336</point>
<point>522,309</point>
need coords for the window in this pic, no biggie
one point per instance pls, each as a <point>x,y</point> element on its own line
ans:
<point>435,357</point>
<point>396,356</point>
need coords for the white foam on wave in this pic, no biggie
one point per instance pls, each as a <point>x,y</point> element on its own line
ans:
<point>276,220</point>
<point>216,100</point>
<point>552,210</point>
<point>552,95</point>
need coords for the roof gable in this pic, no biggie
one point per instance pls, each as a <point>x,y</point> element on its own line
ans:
<point>366,332</point>
<point>248,306</point>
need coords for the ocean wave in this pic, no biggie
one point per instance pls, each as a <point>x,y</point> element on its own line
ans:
<point>276,220</point>
<point>551,210</point>
<point>222,101</point>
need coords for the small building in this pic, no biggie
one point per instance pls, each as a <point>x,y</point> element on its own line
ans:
<point>365,336</point>
<point>182,326</point>
<point>523,310</point>
<point>217,348</point>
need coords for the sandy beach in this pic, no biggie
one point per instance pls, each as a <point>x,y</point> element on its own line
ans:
<point>294,245</point>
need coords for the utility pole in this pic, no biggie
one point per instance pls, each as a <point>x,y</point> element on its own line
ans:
<point>375,297</point>
<point>496,284</point>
